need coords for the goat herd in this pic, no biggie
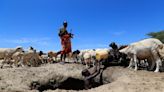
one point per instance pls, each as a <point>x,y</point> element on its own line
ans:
<point>148,53</point>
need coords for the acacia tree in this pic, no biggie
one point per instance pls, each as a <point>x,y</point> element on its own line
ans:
<point>159,35</point>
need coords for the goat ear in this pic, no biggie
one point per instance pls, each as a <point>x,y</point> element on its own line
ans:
<point>161,46</point>
<point>78,51</point>
<point>110,45</point>
<point>19,47</point>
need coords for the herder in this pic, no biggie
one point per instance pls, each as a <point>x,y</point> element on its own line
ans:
<point>65,41</point>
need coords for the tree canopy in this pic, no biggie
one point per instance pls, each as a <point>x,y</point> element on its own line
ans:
<point>159,35</point>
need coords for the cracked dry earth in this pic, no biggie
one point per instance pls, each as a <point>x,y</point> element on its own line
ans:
<point>115,79</point>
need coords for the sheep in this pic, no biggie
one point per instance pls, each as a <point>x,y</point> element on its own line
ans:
<point>102,54</point>
<point>52,56</point>
<point>45,59</point>
<point>6,54</point>
<point>89,57</point>
<point>161,52</point>
<point>31,58</point>
<point>17,57</point>
<point>75,54</point>
<point>84,56</point>
<point>58,58</point>
<point>80,56</point>
<point>70,58</point>
<point>145,49</point>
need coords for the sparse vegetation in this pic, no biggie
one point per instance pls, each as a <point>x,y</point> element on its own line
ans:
<point>159,35</point>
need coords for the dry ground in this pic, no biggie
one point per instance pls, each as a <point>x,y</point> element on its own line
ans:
<point>122,79</point>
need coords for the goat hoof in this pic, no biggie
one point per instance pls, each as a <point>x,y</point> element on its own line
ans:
<point>130,68</point>
<point>156,71</point>
<point>135,69</point>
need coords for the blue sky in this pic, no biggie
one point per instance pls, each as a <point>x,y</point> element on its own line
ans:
<point>95,23</point>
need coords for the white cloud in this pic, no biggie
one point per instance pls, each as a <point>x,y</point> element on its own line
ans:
<point>39,41</point>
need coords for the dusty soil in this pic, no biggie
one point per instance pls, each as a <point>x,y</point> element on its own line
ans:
<point>116,79</point>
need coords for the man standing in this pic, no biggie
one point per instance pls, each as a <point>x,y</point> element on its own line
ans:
<point>65,41</point>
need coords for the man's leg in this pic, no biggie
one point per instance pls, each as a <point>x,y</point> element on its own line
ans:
<point>61,58</point>
<point>65,57</point>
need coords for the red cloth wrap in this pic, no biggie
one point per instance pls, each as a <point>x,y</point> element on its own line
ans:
<point>66,44</point>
